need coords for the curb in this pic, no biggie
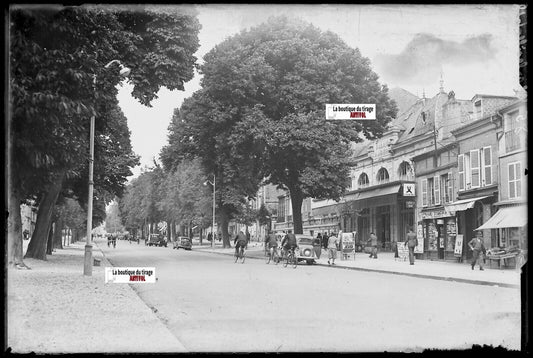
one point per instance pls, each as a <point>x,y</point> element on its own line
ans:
<point>106,260</point>
<point>432,277</point>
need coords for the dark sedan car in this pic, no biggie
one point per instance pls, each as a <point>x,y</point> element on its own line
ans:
<point>182,242</point>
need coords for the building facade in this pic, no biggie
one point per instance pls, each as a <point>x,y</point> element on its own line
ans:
<point>508,224</point>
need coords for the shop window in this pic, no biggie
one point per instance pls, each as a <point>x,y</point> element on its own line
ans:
<point>515,181</point>
<point>363,180</point>
<point>383,175</point>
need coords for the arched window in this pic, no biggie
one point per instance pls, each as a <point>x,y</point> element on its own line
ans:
<point>383,175</point>
<point>405,171</point>
<point>363,180</point>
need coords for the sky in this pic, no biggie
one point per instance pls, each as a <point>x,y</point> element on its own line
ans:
<point>473,48</point>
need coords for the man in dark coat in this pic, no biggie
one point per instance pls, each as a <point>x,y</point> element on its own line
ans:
<point>411,242</point>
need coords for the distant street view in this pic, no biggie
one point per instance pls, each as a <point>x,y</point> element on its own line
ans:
<point>266,178</point>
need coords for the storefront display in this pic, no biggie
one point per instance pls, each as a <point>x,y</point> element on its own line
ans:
<point>432,236</point>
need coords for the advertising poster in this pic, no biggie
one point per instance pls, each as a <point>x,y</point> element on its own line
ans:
<point>458,252</point>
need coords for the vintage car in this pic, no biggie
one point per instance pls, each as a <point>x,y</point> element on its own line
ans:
<point>182,242</point>
<point>156,240</point>
<point>307,249</point>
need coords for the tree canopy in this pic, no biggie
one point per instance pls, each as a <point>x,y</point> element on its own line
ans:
<point>261,110</point>
<point>58,80</point>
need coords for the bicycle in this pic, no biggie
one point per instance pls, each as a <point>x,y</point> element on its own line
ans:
<point>291,259</point>
<point>240,255</point>
<point>271,254</point>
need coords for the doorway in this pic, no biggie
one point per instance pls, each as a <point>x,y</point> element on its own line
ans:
<point>383,227</point>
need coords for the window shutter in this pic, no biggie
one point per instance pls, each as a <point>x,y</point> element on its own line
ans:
<point>424,192</point>
<point>487,165</point>
<point>436,188</point>
<point>474,168</point>
<point>461,171</point>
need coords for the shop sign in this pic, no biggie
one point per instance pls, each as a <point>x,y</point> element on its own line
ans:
<point>408,189</point>
<point>435,214</point>
<point>458,252</point>
<point>409,204</point>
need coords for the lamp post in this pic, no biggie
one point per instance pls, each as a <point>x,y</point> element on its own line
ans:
<point>87,266</point>
<point>213,225</point>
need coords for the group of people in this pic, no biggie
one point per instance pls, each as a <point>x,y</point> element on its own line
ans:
<point>331,244</point>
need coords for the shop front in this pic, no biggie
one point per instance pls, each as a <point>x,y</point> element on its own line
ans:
<point>470,214</point>
<point>510,226</point>
<point>388,211</point>
<point>439,230</point>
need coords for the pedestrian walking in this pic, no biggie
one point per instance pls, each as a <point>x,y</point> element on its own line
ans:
<point>373,240</point>
<point>325,240</point>
<point>478,248</point>
<point>317,245</point>
<point>411,242</point>
<point>333,245</point>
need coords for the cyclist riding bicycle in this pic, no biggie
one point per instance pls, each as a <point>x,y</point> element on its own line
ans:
<point>289,243</point>
<point>271,241</point>
<point>240,241</point>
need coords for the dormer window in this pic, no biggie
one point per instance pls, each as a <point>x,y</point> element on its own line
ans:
<point>477,109</point>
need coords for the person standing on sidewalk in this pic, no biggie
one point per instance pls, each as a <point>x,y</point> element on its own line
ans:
<point>478,248</point>
<point>333,244</point>
<point>374,243</point>
<point>325,240</point>
<point>411,243</point>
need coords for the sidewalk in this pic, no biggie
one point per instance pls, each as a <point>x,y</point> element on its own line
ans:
<point>54,308</point>
<point>386,263</point>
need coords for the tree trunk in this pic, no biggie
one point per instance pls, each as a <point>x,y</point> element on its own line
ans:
<point>50,241</point>
<point>224,223</point>
<point>14,231</point>
<point>58,233</point>
<point>37,245</point>
<point>14,198</point>
<point>296,200</point>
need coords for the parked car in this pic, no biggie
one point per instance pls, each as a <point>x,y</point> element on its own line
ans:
<point>156,240</point>
<point>182,242</point>
<point>306,249</point>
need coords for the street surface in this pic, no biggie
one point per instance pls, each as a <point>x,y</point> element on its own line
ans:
<point>212,304</point>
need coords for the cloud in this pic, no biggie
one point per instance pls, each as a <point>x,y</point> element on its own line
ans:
<point>421,61</point>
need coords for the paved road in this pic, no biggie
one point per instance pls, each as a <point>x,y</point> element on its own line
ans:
<point>212,304</point>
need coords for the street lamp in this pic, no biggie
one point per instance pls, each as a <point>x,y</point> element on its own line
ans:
<point>213,226</point>
<point>88,267</point>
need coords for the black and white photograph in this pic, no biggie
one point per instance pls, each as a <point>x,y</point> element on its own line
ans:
<point>265,178</point>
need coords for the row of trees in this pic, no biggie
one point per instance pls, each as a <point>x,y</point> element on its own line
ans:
<point>177,197</point>
<point>58,81</point>
<point>259,116</point>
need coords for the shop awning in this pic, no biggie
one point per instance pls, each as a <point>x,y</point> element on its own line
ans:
<point>462,205</point>
<point>378,192</point>
<point>513,216</point>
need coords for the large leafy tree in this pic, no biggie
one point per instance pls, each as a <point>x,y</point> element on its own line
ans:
<point>263,98</point>
<point>58,81</point>
<point>204,128</point>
